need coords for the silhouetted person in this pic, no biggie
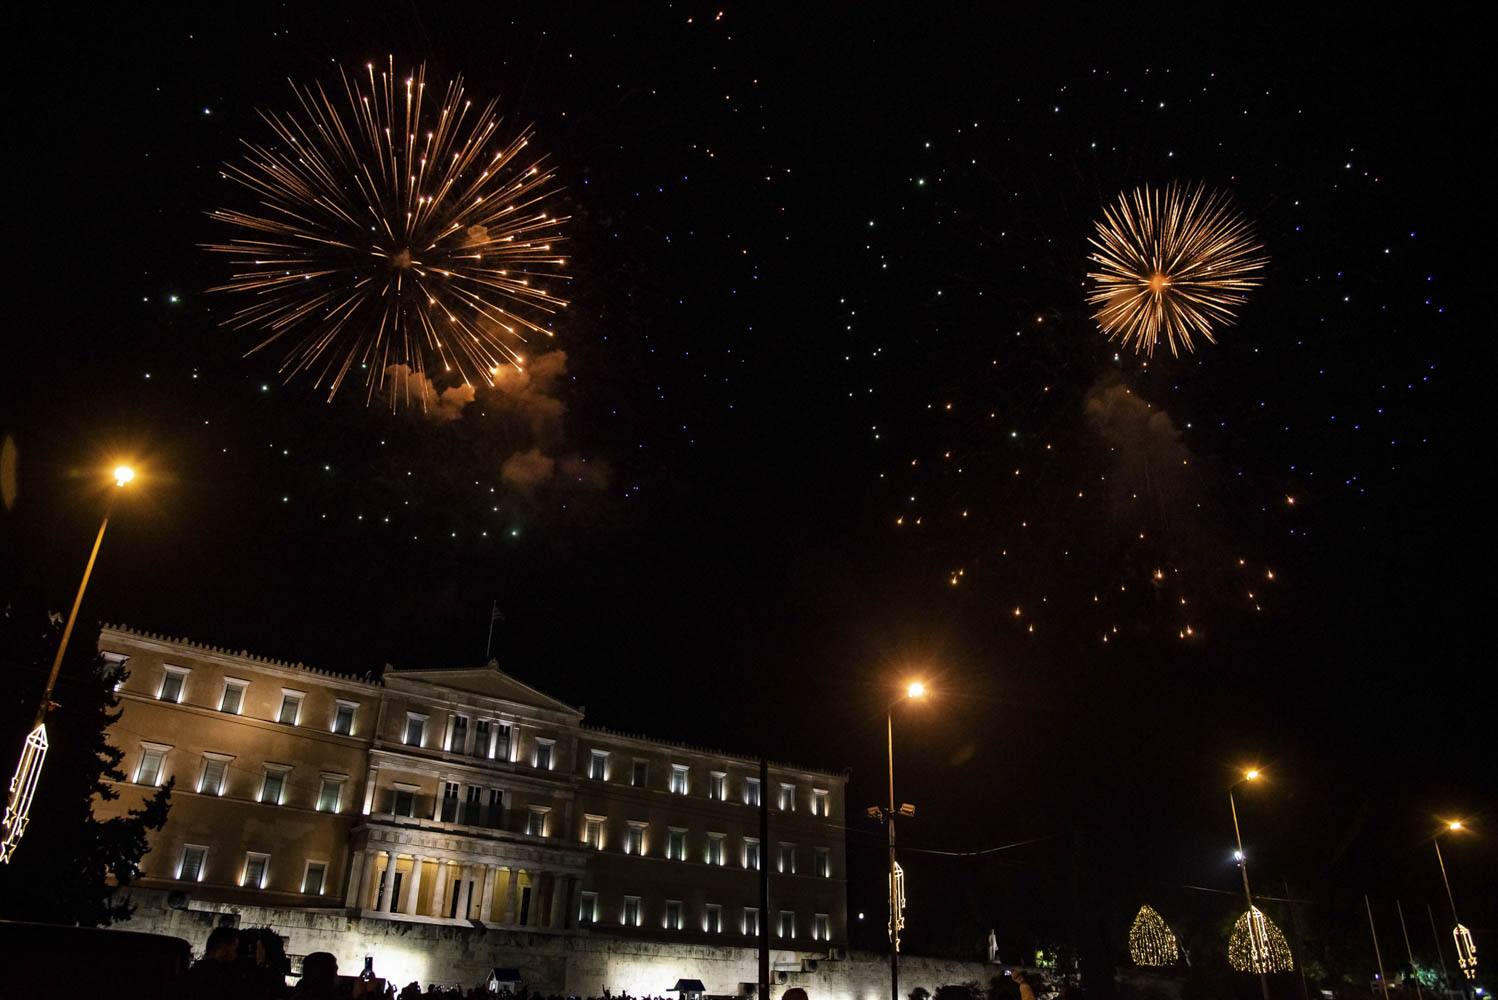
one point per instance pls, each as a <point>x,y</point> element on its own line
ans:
<point>215,976</point>
<point>319,977</point>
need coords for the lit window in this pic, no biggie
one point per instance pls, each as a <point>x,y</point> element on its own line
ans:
<point>233,698</point>
<point>215,765</point>
<point>629,916</point>
<point>718,787</point>
<point>751,791</point>
<point>673,914</point>
<point>819,802</point>
<point>587,911</point>
<point>535,823</point>
<point>787,926</point>
<point>593,832</point>
<point>416,729</point>
<point>193,858</point>
<point>676,845</point>
<point>404,801</point>
<point>821,929</point>
<point>343,717</point>
<point>152,761</point>
<point>679,779</point>
<point>273,786</point>
<point>330,793</point>
<point>712,919</point>
<point>598,765</point>
<point>457,734</point>
<point>544,754</point>
<point>751,854</point>
<point>823,863</point>
<point>787,798</point>
<point>634,838</point>
<point>640,776</point>
<point>715,848</point>
<point>312,878</point>
<point>254,870</point>
<point>173,683</point>
<point>751,921</point>
<point>787,862</point>
<point>291,706</point>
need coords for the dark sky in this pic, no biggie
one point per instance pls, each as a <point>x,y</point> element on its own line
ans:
<point>828,353</point>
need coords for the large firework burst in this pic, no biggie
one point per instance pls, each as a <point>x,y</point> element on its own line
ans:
<point>1174,263</point>
<point>386,235</point>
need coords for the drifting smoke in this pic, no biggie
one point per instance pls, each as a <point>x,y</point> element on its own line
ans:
<point>417,390</point>
<point>527,469</point>
<point>1149,458</point>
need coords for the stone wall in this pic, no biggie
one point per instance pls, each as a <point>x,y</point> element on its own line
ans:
<point>579,963</point>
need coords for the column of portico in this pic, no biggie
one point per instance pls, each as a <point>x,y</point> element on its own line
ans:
<point>559,883</point>
<point>439,891</point>
<point>512,897</point>
<point>351,897</point>
<point>486,903</point>
<point>387,896</point>
<point>368,878</point>
<point>465,887</point>
<point>413,885</point>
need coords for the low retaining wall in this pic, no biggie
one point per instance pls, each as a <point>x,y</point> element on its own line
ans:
<point>577,963</point>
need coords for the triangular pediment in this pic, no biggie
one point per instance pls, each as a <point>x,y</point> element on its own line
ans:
<point>487,681</point>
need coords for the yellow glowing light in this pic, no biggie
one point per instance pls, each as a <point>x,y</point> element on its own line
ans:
<point>123,474</point>
<point>1252,774</point>
<point>916,690</point>
<point>1455,824</point>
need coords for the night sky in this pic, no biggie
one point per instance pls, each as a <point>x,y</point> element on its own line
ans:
<point>828,409</point>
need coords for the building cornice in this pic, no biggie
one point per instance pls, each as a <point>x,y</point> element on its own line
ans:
<point>228,658</point>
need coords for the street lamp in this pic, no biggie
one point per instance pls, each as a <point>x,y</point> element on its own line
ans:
<point>914,691</point>
<point>1258,936</point>
<point>34,749</point>
<point>1466,951</point>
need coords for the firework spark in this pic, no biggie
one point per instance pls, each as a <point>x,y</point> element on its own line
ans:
<point>1173,264</point>
<point>387,236</point>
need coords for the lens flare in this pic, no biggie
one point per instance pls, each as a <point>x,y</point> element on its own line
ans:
<point>391,229</point>
<point>1173,264</point>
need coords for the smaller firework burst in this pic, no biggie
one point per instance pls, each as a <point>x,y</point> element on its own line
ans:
<point>1173,264</point>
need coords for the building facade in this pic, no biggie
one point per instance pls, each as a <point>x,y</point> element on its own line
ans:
<point>455,796</point>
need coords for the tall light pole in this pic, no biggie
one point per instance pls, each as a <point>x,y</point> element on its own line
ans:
<point>34,749</point>
<point>1466,952</point>
<point>914,691</point>
<point>1257,941</point>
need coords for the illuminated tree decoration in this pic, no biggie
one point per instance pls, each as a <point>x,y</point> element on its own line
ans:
<point>1466,951</point>
<point>1257,945</point>
<point>23,787</point>
<point>1150,939</point>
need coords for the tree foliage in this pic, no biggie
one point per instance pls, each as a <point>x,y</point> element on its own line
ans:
<point>69,863</point>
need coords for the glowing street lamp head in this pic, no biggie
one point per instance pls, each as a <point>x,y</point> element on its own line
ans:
<point>916,690</point>
<point>123,474</point>
<point>1455,824</point>
<point>1252,774</point>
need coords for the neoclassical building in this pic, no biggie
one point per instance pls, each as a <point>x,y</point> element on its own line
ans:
<point>461,795</point>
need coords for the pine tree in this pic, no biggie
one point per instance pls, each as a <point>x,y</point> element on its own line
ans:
<point>69,864</point>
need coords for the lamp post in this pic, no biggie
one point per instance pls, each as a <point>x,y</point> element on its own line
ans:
<point>1466,952</point>
<point>1256,939</point>
<point>34,749</point>
<point>914,691</point>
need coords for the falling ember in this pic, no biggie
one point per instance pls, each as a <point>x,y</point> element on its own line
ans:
<point>1173,264</point>
<point>382,216</point>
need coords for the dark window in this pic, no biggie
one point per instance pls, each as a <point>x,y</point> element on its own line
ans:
<point>343,720</point>
<point>496,808</point>
<point>474,806</point>
<point>450,802</point>
<point>459,737</point>
<point>641,774</point>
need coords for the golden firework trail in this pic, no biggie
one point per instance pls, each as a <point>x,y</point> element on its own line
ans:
<point>392,230</point>
<point>1173,264</point>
